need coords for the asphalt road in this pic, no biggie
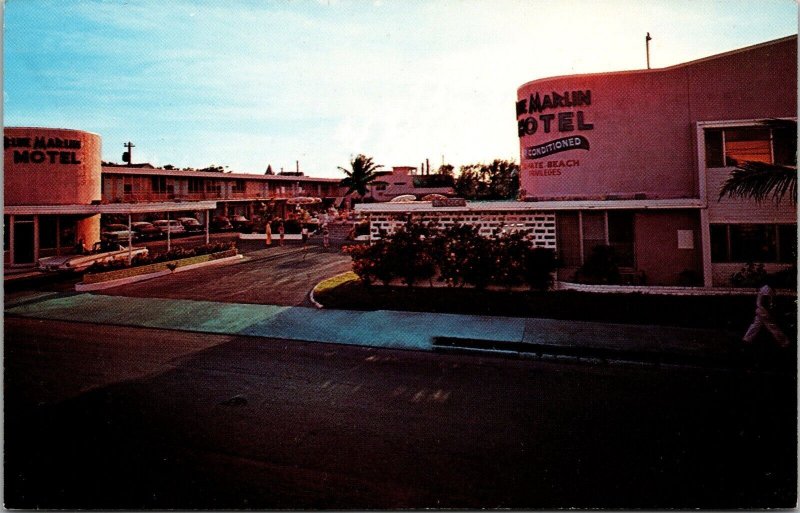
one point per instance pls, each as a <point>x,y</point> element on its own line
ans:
<point>137,418</point>
<point>275,275</point>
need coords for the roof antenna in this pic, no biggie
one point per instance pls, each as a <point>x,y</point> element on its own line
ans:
<point>647,47</point>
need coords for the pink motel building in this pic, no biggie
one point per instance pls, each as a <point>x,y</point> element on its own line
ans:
<point>635,160</point>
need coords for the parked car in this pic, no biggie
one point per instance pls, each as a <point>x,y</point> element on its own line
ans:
<point>146,231</point>
<point>221,224</point>
<point>191,225</point>
<point>173,226</point>
<point>241,223</point>
<point>117,233</point>
<point>104,251</point>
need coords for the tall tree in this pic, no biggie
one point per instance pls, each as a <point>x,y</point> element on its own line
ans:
<point>759,180</point>
<point>494,181</point>
<point>360,175</point>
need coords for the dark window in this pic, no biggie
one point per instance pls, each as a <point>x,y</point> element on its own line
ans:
<point>714,148</point>
<point>195,185</point>
<point>159,184</point>
<point>752,243</point>
<point>5,233</point>
<point>620,236</point>
<point>238,186</point>
<point>594,232</point>
<point>47,232</point>
<point>787,243</point>
<point>784,143</point>
<point>127,188</point>
<point>719,243</point>
<point>757,243</point>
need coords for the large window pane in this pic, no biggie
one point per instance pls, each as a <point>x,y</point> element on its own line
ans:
<point>714,148</point>
<point>753,243</point>
<point>747,144</point>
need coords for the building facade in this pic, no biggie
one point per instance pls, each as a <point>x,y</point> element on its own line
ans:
<point>403,180</point>
<point>635,161</point>
<point>58,192</point>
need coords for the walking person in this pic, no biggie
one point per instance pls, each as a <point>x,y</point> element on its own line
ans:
<point>304,236</point>
<point>281,231</point>
<point>326,236</point>
<point>268,232</point>
<point>765,317</point>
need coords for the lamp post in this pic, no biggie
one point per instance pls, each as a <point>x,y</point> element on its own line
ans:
<point>647,48</point>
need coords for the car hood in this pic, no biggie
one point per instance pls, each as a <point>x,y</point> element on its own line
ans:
<point>55,260</point>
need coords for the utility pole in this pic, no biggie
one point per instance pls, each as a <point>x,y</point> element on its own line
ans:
<point>647,48</point>
<point>128,155</point>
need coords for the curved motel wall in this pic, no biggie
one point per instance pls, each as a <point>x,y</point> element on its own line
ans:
<point>51,166</point>
<point>54,166</point>
<point>634,132</point>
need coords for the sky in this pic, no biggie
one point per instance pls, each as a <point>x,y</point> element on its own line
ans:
<point>246,84</point>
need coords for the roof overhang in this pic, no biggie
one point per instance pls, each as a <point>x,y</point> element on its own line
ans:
<point>109,208</point>
<point>534,206</point>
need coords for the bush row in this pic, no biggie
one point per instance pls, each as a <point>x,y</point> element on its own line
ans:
<point>154,258</point>
<point>457,255</point>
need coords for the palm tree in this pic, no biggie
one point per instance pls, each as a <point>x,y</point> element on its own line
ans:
<point>360,175</point>
<point>759,180</point>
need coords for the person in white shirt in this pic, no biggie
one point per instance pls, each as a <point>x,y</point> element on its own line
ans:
<point>765,304</point>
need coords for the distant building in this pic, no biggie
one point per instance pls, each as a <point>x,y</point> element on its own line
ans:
<point>57,189</point>
<point>635,160</point>
<point>402,180</point>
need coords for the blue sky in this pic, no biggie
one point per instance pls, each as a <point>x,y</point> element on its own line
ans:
<point>244,84</point>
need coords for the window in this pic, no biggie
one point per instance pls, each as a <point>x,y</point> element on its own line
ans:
<point>159,184</point>
<point>752,243</point>
<point>787,243</point>
<point>757,243</point>
<point>47,232</point>
<point>238,186</point>
<point>195,185</point>
<point>620,236</point>
<point>594,232</point>
<point>613,229</point>
<point>127,188</point>
<point>747,144</point>
<point>784,141</point>
<point>213,187</point>
<point>732,146</point>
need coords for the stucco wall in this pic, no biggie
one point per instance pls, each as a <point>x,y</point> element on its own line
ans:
<point>51,166</point>
<point>639,125</point>
<point>657,251</point>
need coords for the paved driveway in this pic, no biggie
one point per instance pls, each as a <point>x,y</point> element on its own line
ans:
<point>275,276</point>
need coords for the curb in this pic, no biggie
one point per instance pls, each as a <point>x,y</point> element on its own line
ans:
<point>600,354</point>
<point>311,292</point>
<point>87,287</point>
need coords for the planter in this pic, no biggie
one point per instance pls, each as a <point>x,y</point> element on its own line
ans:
<point>96,281</point>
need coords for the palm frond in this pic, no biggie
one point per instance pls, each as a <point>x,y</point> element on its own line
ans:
<point>758,181</point>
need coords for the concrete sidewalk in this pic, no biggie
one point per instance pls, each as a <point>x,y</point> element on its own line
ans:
<point>393,329</point>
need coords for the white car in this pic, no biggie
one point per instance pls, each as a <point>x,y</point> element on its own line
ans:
<point>117,233</point>
<point>77,263</point>
<point>173,226</point>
